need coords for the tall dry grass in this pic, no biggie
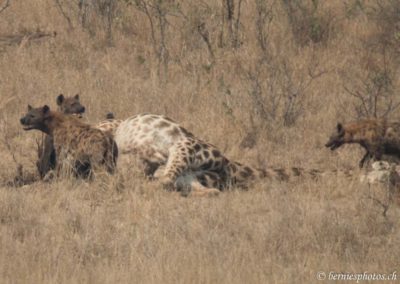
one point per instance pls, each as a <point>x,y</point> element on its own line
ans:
<point>277,76</point>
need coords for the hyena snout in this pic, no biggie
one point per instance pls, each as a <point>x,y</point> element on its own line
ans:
<point>26,123</point>
<point>333,144</point>
<point>80,111</point>
<point>75,111</point>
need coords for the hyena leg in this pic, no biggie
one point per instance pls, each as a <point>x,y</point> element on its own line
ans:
<point>377,155</point>
<point>109,161</point>
<point>47,156</point>
<point>104,157</point>
<point>150,168</point>
<point>111,156</point>
<point>62,162</point>
<point>375,152</point>
<point>82,169</point>
<point>364,159</point>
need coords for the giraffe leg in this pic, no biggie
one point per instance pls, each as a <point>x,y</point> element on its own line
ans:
<point>193,184</point>
<point>198,190</point>
<point>175,166</point>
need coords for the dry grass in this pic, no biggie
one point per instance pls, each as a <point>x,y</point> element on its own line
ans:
<point>73,232</point>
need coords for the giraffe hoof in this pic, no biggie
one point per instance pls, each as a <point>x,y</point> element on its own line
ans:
<point>185,192</point>
<point>210,192</point>
<point>167,184</point>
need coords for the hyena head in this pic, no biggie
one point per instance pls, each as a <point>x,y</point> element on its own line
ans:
<point>339,137</point>
<point>70,105</point>
<point>36,118</point>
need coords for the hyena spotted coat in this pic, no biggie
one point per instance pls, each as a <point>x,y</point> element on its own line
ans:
<point>377,136</point>
<point>78,146</point>
<point>46,152</point>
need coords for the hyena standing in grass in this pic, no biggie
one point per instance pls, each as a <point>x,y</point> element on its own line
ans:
<point>164,146</point>
<point>46,152</point>
<point>78,146</point>
<point>377,136</point>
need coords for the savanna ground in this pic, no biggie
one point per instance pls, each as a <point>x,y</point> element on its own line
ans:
<point>266,81</point>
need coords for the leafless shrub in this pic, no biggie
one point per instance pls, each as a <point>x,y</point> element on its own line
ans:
<point>92,15</point>
<point>156,12</point>
<point>275,93</point>
<point>263,20</point>
<point>375,90</point>
<point>387,16</point>
<point>307,23</point>
<point>92,10</point>
<point>230,21</point>
<point>64,13</point>
<point>196,25</point>
<point>374,85</point>
<point>354,8</point>
<point>202,30</point>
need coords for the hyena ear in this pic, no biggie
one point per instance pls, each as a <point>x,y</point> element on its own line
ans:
<point>45,109</point>
<point>29,107</point>
<point>339,127</point>
<point>60,99</point>
<point>110,115</point>
<point>77,97</point>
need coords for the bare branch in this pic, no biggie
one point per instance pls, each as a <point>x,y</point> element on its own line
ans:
<point>202,30</point>
<point>384,206</point>
<point>236,42</point>
<point>22,38</point>
<point>5,5</point>
<point>64,14</point>
<point>391,108</point>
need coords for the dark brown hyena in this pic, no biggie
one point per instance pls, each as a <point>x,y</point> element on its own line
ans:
<point>85,149</point>
<point>377,136</point>
<point>46,152</point>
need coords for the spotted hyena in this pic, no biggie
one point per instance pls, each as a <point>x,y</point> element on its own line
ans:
<point>175,156</point>
<point>46,152</point>
<point>377,136</point>
<point>78,146</point>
